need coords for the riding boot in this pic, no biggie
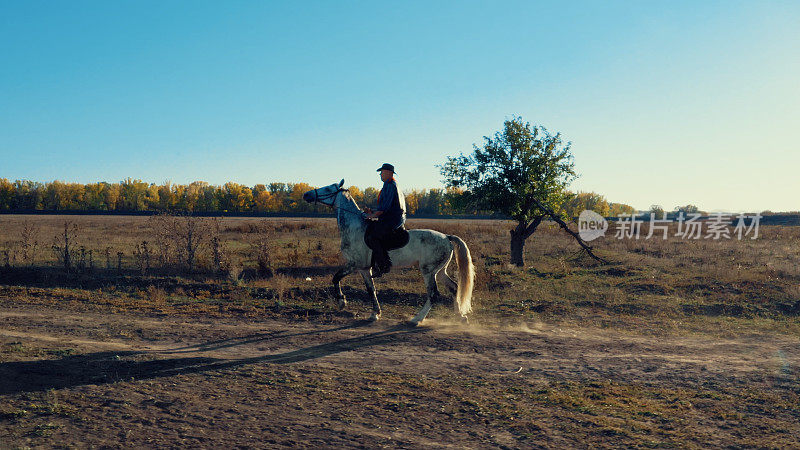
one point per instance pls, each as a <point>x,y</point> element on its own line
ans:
<point>380,263</point>
<point>387,262</point>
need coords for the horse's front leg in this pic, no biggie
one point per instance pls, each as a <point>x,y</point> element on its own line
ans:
<point>376,307</point>
<point>337,288</point>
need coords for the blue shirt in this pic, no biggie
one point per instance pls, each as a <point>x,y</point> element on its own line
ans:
<point>393,204</point>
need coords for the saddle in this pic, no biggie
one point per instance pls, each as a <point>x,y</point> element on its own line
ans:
<point>396,239</point>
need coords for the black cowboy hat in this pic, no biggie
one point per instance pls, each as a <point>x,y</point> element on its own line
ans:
<point>386,166</point>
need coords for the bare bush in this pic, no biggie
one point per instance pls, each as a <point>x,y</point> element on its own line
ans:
<point>81,263</point>
<point>179,239</point>
<point>232,268</point>
<point>293,258</point>
<point>261,248</point>
<point>164,239</point>
<point>190,234</point>
<point>220,259</point>
<point>141,254</point>
<point>29,242</point>
<point>64,245</point>
<point>107,253</point>
<point>7,257</point>
<point>156,295</point>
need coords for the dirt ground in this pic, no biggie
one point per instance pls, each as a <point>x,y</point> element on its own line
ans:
<point>72,378</point>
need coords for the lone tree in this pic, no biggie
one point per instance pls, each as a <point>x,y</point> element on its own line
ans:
<point>522,173</point>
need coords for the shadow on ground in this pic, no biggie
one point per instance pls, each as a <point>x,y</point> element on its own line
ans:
<point>110,367</point>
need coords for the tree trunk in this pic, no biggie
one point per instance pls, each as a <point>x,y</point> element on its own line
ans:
<point>518,237</point>
<point>517,248</point>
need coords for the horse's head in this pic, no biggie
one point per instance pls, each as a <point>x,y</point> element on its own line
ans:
<point>325,195</point>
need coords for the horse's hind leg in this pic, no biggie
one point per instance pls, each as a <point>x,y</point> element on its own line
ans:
<point>376,307</point>
<point>433,294</point>
<point>445,279</point>
<point>337,277</point>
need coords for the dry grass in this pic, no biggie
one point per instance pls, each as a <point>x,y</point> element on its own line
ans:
<point>667,285</point>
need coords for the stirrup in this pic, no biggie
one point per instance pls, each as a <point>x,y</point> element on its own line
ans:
<point>378,270</point>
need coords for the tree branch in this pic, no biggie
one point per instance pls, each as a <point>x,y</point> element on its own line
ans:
<point>563,225</point>
<point>533,225</point>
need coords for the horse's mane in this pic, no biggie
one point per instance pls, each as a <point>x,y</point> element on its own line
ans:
<point>346,193</point>
<point>349,212</point>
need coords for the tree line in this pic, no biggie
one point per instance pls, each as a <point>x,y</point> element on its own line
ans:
<point>132,195</point>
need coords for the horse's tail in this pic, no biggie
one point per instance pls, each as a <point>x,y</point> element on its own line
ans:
<point>466,275</point>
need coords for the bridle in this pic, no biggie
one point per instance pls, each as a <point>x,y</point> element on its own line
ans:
<point>332,195</point>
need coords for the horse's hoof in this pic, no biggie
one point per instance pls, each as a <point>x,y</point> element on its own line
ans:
<point>374,317</point>
<point>411,324</point>
<point>342,303</point>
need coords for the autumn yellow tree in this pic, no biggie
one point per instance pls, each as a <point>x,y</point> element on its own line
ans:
<point>618,209</point>
<point>54,197</point>
<point>413,199</point>
<point>133,195</point>
<point>193,193</point>
<point>7,194</point>
<point>94,196</point>
<point>209,199</point>
<point>166,197</point>
<point>296,202</point>
<point>257,189</point>
<point>592,201</point>
<point>111,196</point>
<point>28,195</point>
<point>236,197</point>
<point>357,194</point>
<point>370,196</point>
<point>152,197</point>
<point>268,202</point>
<point>179,197</point>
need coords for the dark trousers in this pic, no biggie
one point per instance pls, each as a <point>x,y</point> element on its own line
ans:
<point>374,237</point>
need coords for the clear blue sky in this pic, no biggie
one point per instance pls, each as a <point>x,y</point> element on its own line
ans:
<point>665,102</point>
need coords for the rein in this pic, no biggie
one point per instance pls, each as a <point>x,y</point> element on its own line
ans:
<point>332,195</point>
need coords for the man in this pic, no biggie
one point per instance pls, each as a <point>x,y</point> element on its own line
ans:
<point>390,214</point>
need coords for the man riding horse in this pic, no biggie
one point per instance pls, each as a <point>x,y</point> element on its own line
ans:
<point>429,250</point>
<point>390,214</point>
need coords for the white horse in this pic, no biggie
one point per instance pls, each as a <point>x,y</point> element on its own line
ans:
<point>430,249</point>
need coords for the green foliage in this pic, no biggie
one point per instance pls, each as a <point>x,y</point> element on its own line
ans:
<point>370,196</point>
<point>657,210</point>
<point>688,209</point>
<point>521,163</point>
